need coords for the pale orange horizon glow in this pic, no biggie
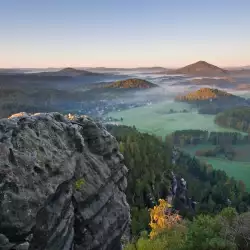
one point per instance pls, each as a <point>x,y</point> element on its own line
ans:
<point>119,63</point>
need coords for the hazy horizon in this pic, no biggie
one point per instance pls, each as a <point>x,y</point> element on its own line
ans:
<point>128,67</point>
<point>123,34</point>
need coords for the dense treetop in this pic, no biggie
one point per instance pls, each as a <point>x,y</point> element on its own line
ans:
<point>149,160</point>
<point>221,218</point>
<point>225,231</point>
<point>132,83</point>
<point>237,118</point>
<point>203,94</point>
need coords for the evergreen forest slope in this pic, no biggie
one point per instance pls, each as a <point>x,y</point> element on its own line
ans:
<point>237,118</point>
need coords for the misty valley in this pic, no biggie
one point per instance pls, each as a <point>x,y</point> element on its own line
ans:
<point>183,133</point>
<point>156,100</point>
<point>124,125</point>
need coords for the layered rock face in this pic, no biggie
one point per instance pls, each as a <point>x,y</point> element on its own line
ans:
<point>62,184</point>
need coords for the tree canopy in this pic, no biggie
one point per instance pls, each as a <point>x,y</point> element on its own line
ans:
<point>149,160</point>
<point>237,118</point>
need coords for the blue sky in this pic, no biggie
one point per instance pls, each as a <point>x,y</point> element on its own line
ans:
<point>123,33</point>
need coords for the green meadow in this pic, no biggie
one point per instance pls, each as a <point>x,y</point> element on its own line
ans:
<point>239,169</point>
<point>155,119</point>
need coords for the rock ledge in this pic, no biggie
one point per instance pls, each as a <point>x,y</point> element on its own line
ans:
<point>62,184</point>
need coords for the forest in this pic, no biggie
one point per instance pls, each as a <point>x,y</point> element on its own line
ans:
<point>131,83</point>
<point>203,94</point>
<point>237,118</point>
<point>212,101</point>
<point>227,230</point>
<point>149,160</point>
<point>193,137</point>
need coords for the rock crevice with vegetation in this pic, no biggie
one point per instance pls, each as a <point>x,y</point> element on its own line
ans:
<point>62,184</point>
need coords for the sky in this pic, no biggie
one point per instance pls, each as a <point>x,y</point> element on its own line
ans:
<point>123,33</point>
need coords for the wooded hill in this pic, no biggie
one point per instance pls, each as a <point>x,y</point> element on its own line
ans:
<point>237,118</point>
<point>212,101</point>
<point>203,94</point>
<point>131,83</point>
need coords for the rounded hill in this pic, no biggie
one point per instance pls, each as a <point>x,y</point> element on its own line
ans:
<point>200,68</point>
<point>75,72</point>
<point>132,83</point>
<point>212,101</point>
<point>203,94</point>
<point>68,72</point>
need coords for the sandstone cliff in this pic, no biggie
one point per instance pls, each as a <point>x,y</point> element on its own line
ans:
<point>62,184</point>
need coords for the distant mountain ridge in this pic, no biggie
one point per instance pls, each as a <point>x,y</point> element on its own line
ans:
<point>141,69</point>
<point>73,70</point>
<point>200,68</point>
<point>70,72</point>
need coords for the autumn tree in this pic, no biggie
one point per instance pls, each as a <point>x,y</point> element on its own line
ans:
<point>162,218</point>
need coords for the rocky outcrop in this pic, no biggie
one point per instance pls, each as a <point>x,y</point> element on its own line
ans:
<point>62,184</point>
<point>178,195</point>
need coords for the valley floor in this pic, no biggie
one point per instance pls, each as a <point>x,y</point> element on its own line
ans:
<point>156,119</point>
<point>238,168</point>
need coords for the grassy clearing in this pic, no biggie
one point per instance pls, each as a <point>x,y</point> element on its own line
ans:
<point>240,169</point>
<point>154,119</point>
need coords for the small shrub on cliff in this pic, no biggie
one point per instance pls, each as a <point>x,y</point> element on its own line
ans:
<point>79,183</point>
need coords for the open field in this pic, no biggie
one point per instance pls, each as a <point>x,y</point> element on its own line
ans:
<point>239,169</point>
<point>156,119</point>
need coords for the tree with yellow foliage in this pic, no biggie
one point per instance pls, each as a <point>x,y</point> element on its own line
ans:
<point>162,218</point>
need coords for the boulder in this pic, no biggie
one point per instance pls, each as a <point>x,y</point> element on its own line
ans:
<point>62,184</point>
